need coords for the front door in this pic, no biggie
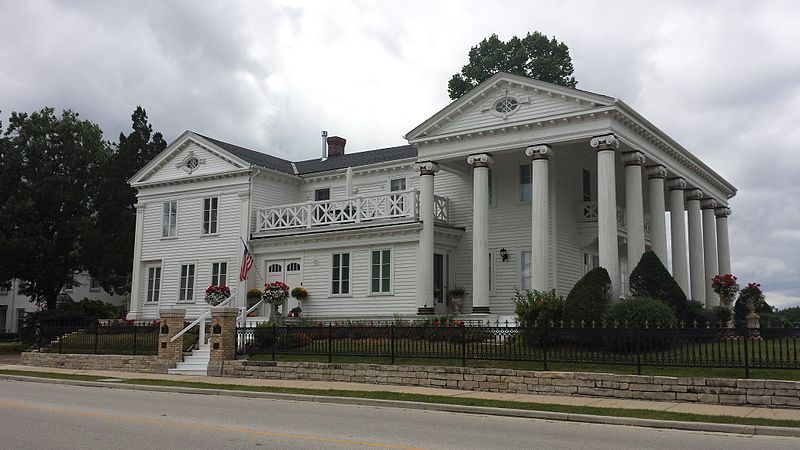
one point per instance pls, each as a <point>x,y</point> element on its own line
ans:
<point>288,271</point>
<point>440,284</point>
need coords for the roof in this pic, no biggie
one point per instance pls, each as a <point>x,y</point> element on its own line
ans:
<point>310,166</point>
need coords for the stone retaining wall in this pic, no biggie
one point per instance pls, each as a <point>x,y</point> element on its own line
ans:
<point>121,363</point>
<point>700,390</point>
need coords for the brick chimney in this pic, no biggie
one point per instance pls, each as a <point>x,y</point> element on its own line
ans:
<point>336,146</point>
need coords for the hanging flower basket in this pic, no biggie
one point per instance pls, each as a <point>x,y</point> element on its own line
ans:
<point>217,294</point>
<point>299,293</point>
<point>726,287</point>
<point>275,293</point>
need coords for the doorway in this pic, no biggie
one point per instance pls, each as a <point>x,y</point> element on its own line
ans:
<point>288,271</point>
<point>441,283</point>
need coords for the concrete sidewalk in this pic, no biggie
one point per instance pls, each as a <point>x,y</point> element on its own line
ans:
<point>691,408</point>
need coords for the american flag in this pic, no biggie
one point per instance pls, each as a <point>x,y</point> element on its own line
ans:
<point>247,263</point>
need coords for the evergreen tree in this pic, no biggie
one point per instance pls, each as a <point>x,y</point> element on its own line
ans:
<point>589,298</point>
<point>535,56</point>
<point>651,279</point>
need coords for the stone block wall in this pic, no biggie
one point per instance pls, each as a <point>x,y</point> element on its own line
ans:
<point>721,391</point>
<point>121,363</point>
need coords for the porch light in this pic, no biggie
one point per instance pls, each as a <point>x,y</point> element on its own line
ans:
<point>503,254</point>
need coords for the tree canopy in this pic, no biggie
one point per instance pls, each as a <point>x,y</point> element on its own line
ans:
<point>535,56</point>
<point>49,171</point>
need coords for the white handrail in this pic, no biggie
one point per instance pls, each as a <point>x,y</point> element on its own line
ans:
<point>202,318</point>
<point>245,312</point>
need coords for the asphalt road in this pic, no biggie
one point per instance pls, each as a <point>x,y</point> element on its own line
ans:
<point>45,416</point>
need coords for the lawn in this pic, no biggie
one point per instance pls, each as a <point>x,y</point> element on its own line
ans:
<point>124,343</point>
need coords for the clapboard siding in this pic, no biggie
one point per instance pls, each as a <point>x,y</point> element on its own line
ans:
<point>269,191</point>
<point>213,164</point>
<point>365,182</point>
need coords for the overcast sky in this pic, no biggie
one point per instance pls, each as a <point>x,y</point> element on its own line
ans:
<point>722,78</point>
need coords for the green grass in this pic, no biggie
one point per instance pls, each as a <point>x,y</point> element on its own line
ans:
<point>437,399</point>
<point>83,342</point>
<point>11,347</point>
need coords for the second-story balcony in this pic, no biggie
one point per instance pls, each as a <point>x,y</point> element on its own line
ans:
<point>385,207</point>
<point>588,214</point>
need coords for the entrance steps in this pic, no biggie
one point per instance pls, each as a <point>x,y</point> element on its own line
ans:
<point>194,364</point>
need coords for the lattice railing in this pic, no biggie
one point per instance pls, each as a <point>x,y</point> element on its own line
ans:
<point>441,209</point>
<point>588,214</point>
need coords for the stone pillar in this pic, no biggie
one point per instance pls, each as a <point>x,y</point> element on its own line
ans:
<point>135,311</point>
<point>425,302</point>
<point>171,323</point>
<point>223,339</point>
<point>680,265</point>
<point>540,216</point>
<point>607,231</point>
<point>723,244</point>
<point>634,207</point>
<point>710,250</point>
<point>658,218</point>
<point>697,271</point>
<point>480,232</point>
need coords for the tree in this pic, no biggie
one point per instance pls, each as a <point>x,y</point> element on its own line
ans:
<point>589,298</point>
<point>533,56</point>
<point>49,169</point>
<point>651,279</point>
<point>108,254</point>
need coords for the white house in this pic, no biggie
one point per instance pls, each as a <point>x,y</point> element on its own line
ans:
<point>519,184</point>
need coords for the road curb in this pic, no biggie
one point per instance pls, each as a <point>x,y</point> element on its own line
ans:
<point>442,407</point>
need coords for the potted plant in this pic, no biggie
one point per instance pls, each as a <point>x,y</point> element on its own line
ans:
<point>726,287</point>
<point>217,294</point>
<point>275,294</point>
<point>457,298</point>
<point>299,293</point>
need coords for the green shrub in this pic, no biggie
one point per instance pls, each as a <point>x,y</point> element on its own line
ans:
<point>721,316</point>
<point>792,315</point>
<point>83,312</point>
<point>538,308</point>
<point>651,279</point>
<point>697,315</point>
<point>589,298</point>
<point>772,320</point>
<point>638,312</point>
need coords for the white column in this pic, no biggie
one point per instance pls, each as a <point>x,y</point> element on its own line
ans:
<point>540,216</point>
<point>697,271</point>
<point>426,170</point>
<point>658,218</point>
<point>680,264</point>
<point>136,279</point>
<point>607,207</point>
<point>244,232</point>
<point>634,207</point>
<point>710,250</point>
<point>723,244</point>
<point>480,232</point>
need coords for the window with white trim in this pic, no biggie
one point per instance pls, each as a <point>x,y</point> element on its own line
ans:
<point>586,181</point>
<point>94,284</point>
<point>321,195</point>
<point>381,271</point>
<point>219,273</point>
<point>525,271</point>
<point>153,283</point>
<point>340,274</point>
<point>186,288</point>
<point>169,219</point>
<point>525,183</point>
<point>491,272</point>
<point>3,289</point>
<point>397,184</point>
<point>210,207</point>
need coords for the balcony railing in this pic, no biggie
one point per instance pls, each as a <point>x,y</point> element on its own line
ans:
<point>588,214</point>
<point>371,208</point>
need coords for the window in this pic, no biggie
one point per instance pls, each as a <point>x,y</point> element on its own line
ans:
<point>590,261</point>
<point>293,267</point>
<point>525,184</point>
<point>491,188</point>
<point>321,195</point>
<point>340,276</point>
<point>275,268</point>
<point>186,289</point>
<point>3,289</point>
<point>94,284</point>
<point>398,184</point>
<point>210,215</point>
<point>587,186</point>
<point>219,273</point>
<point>506,105</point>
<point>153,283</point>
<point>398,205</point>
<point>525,271</point>
<point>169,219</point>
<point>381,271</point>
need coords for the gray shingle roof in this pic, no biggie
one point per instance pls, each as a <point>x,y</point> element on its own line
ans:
<point>310,166</point>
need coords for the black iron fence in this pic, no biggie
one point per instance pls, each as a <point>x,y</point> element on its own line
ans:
<point>98,339</point>
<point>757,348</point>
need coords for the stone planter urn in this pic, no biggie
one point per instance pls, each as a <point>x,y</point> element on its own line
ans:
<point>457,299</point>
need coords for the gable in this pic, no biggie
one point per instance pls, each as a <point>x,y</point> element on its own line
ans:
<point>530,100</point>
<point>188,157</point>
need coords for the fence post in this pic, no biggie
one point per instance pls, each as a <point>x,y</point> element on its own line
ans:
<point>96,336</point>
<point>60,346</point>
<point>463,346</point>
<point>638,356</point>
<point>330,342</point>
<point>135,329</point>
<point>392,336</point>
<point>544,348</point>
<point>746,359</point>
<point>274,339</point>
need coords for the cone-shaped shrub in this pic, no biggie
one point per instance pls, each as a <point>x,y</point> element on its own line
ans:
<point>588,299</point>
<point>651,279</point>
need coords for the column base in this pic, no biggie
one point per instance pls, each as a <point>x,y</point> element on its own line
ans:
<point>480,310</point>
<point>425,311</point>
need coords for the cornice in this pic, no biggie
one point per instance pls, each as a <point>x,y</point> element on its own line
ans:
<point>190,180</point>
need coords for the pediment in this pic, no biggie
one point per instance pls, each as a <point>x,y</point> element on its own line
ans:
<point>189,156</point>
<point>507,100</point>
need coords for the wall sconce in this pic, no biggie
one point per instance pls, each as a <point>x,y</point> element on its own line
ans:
<point>503,254</point>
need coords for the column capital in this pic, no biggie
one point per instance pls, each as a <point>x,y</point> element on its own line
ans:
<point>634,158</point>
<point>140,206</point>
<point>722,212</point>
<point>694,194</point>
<point>676,184</point>
<point>708,203</point>
<point>425,167</point>
<point>542,151</point>
<point>480,160</point>
<point>605,142</point>
<point>657,171</point>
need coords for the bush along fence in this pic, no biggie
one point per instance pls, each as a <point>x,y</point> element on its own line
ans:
<point>694,347</point>
<point>95,338</point>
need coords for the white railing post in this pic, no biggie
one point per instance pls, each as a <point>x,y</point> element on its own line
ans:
<point>201,340</point>
<point>309,212</point>
<point>358,209</point>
